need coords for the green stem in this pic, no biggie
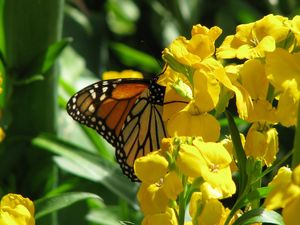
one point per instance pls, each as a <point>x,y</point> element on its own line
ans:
<point>296,149</point>
<point>239,152</point>
<point>29,27</point>
<point>182,202</point>
<point>257,171</point>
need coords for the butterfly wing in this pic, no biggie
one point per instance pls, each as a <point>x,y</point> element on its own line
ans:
<point>105,105</point>
<point>143,129</point>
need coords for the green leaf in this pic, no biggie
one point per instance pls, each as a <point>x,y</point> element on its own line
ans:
<point>252,196</point>
<point>296,149</point>
<point>79,18</point>
<point>93,136</point>
<point>89,166</point>
<point>134,58</point>
<point>46,60</point>
<point>247,198</point>
<point>51,204</point>
<point>103,216</point>
<point>122,16</point>
<point>260,215</point>
<point>239,151</point>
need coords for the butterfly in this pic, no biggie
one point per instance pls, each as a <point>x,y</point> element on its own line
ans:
<point>126,112</point>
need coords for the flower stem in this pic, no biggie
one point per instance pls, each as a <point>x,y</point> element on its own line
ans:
<point>296,149</point>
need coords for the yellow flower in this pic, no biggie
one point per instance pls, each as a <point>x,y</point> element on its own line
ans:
<point>285,194</point>
<point>196,203</point>
<point>206,91</point>
<point>215,208</point>
<point>172,185</point>
<point>1,81</point>
<point>283,71</point>
<point>254,79</point>
<point>173,101</point>
<point>189,160</point>
<point>282,66</point>
<point>166,218</point>
<point>262,143</point>
<point>216,170</point>
<point>227,143</point>
<point>16,210</point>
<point>288,101</point>
<point>254,39</point>
<point>190,122</point>
<point>2,135</point>
<point>294,25</point>
<point>151,167</point>
<point>152,199</point>
<point>211,162</point>
<point>192,52</point>
<point>123,74</point>
<point>243,99</point>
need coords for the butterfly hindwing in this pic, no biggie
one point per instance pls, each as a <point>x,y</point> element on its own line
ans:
<point>143,129</point>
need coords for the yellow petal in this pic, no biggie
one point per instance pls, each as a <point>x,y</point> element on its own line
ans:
<point>206,91</point>
<point>188,122</point>
<point>262,110</point>
<point>296,175</point>
<point>287,109</point>
<point>123,74</point>
<point>166,218</point>
<point>152,199</point>
<point>189,160</point>
<point>215,208</point>
<point>195,203</point>
<point>151,168</point>
<point>253,73</point>
<point>262,143</point>
<point>16,210</point>
<point>172,185</point>
<point>281,66</point>
<point>291,212</point>
<point>283,190</point>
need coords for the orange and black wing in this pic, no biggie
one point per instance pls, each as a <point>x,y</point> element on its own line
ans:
<point>143,128</point>
<point>105,105</point>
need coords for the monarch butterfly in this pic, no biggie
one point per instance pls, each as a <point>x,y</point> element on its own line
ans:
<point>126,112</point>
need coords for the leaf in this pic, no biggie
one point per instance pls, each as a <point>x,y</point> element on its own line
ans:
<point>103,216</point>
<point>239,151</point>
<point>79,18</point>
<point>252,196</point>
<point>46,60</point>
<point>89,166</point>
<point>132,57</point>
<point>260,215</point>
<point>296,149</point>
<point>51,204</point>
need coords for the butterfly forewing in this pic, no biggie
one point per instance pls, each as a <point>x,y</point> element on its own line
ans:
<point>105,105</point>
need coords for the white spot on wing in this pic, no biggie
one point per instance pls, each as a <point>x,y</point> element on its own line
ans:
<point>91,108</point>
<point>102,97</point>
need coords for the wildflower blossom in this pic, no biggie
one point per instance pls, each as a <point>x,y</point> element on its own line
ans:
<point>254,39</point>
<point>124,74</point>
<point>16,210</point>
<point>285,194</point>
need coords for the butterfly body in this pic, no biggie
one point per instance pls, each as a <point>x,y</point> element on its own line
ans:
<point>126,112</point>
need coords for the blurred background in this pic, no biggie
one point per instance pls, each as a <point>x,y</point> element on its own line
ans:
<point>62,156</point>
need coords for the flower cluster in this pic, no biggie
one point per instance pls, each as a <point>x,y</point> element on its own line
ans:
<point>194,167</point>
<point>16,210</point>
